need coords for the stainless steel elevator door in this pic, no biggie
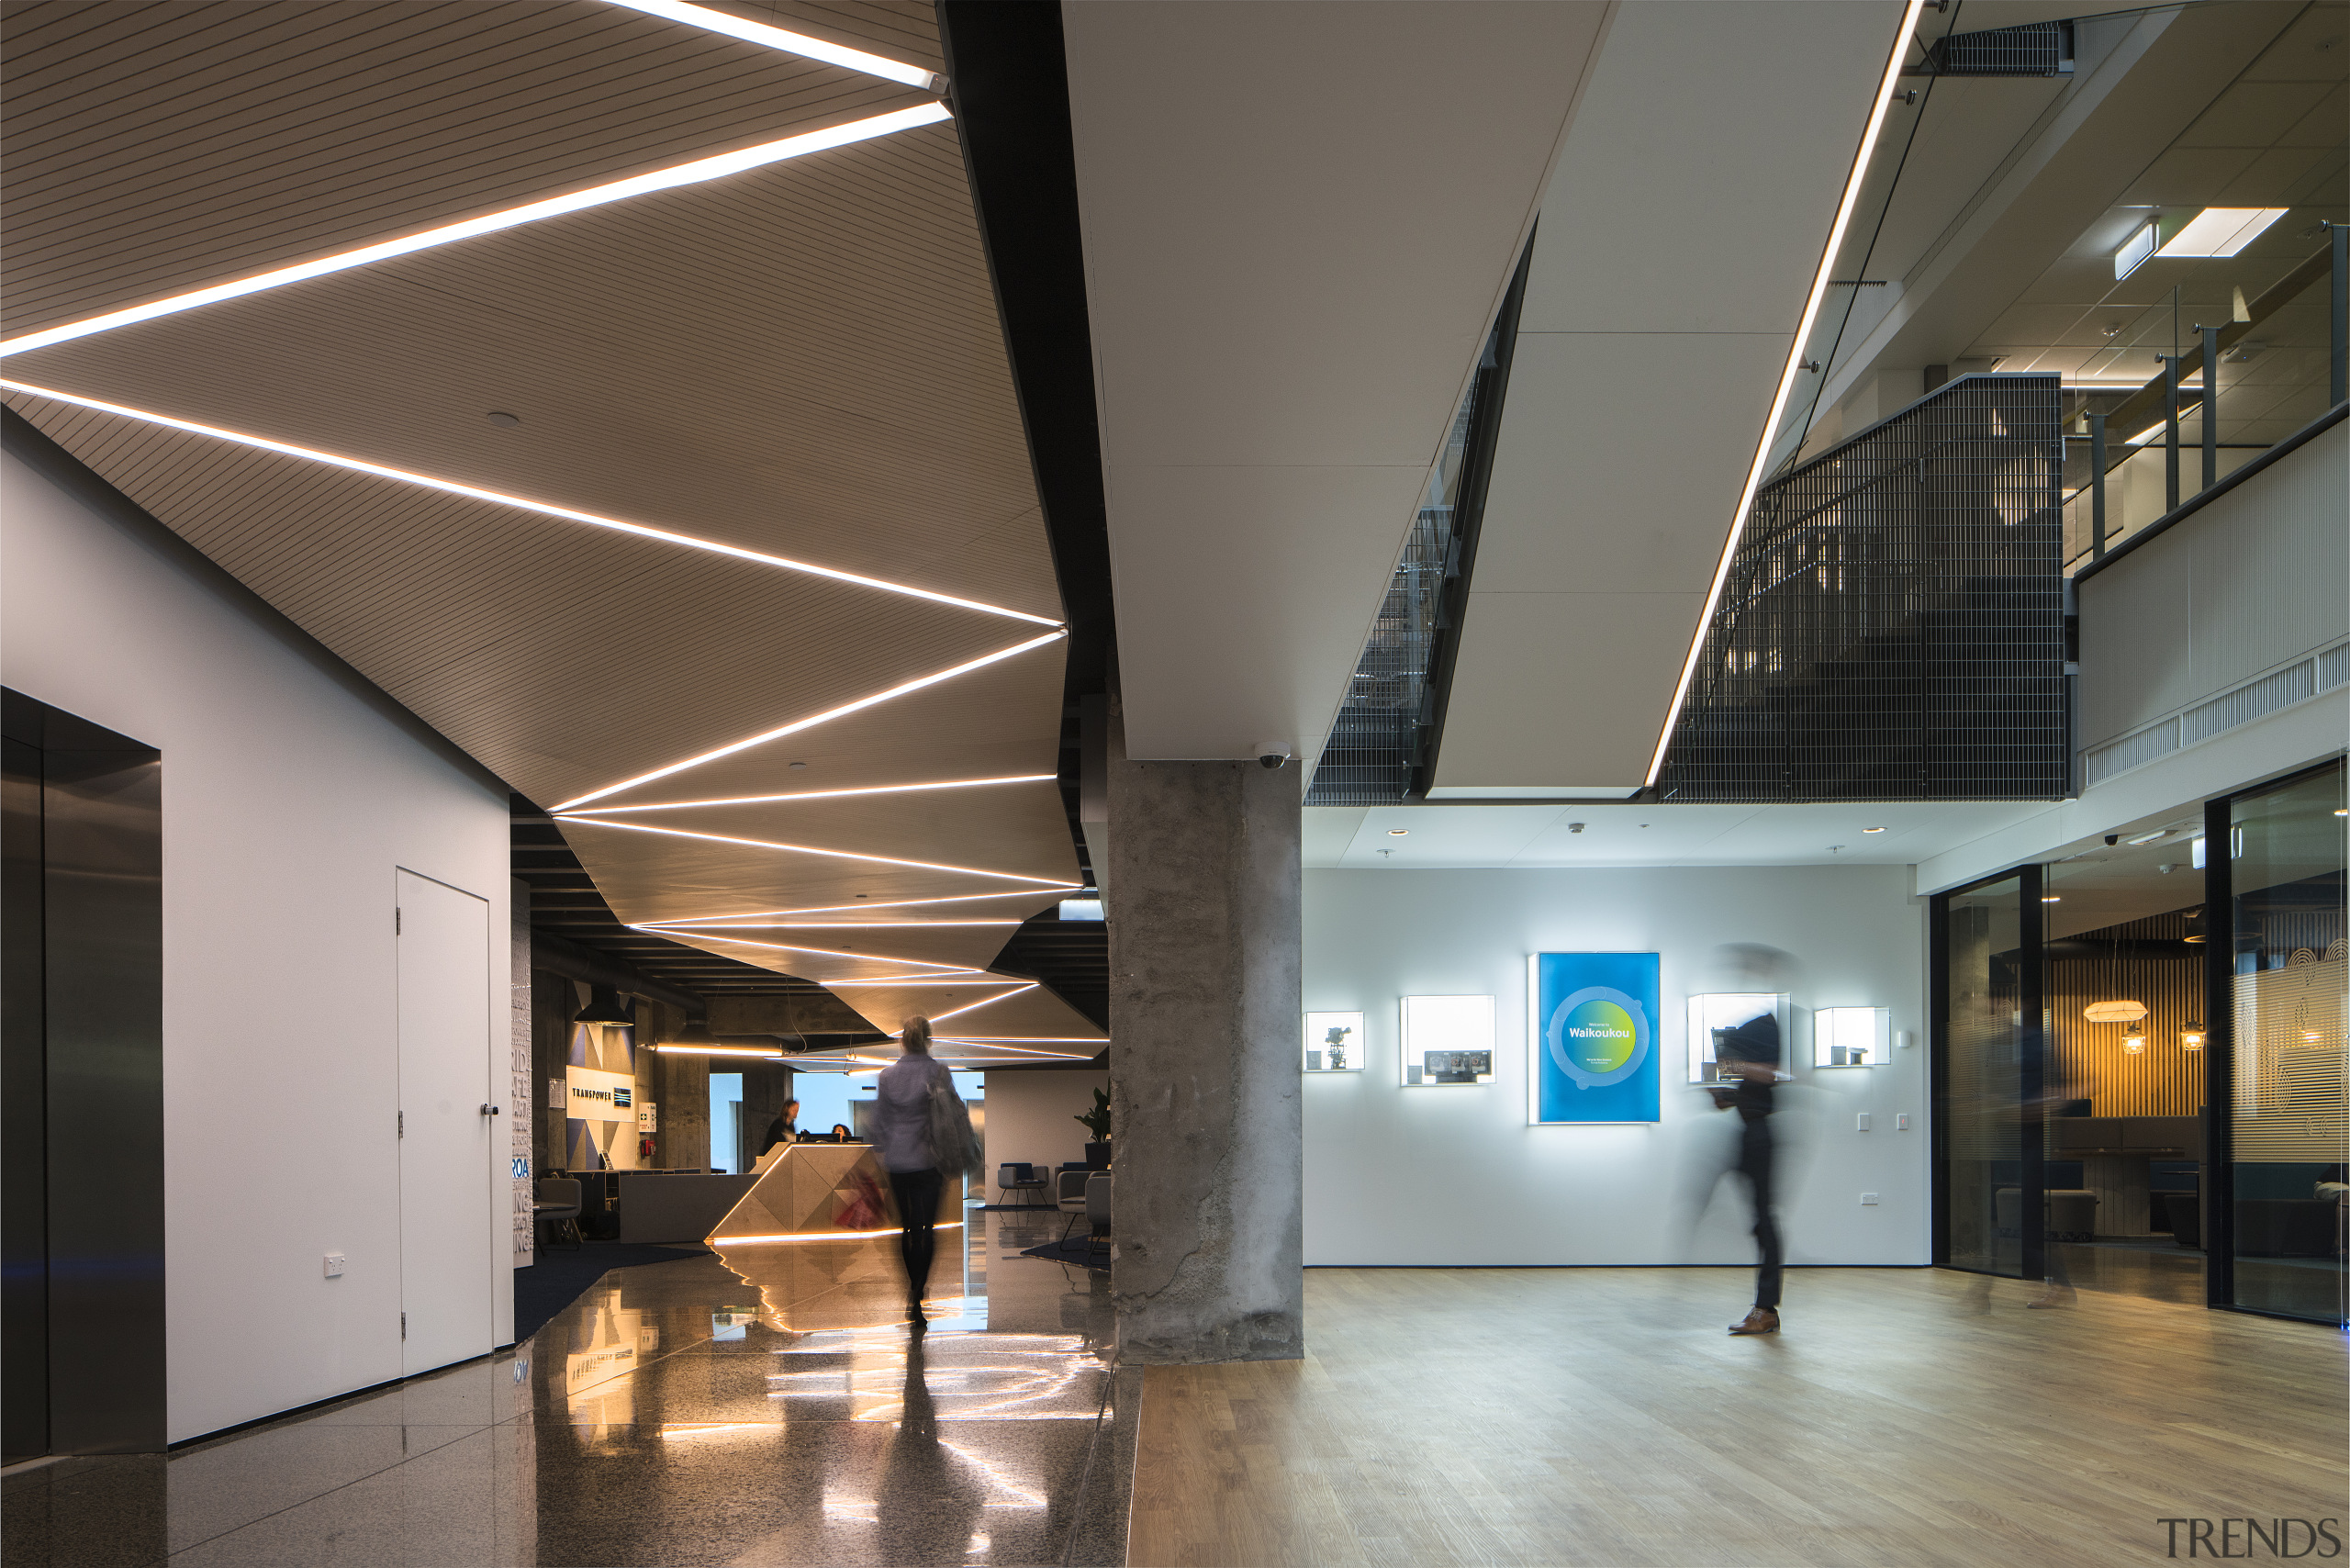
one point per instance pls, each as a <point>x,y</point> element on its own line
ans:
<point>447,1146</point>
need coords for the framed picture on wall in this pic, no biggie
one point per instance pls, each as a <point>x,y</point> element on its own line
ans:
<point>1334,1042</point>
<point>1591,1045</point>
<point>1447,1040</point>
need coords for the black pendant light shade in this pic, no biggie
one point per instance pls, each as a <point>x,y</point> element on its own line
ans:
<point>605,1008</point>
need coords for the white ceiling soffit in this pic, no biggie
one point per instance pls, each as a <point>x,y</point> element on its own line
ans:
<point>1680,237</point>
<point>1551,837</point>
<point>1299,222</point>
<point>801,360</point>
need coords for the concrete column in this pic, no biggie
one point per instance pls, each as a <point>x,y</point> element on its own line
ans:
<point>1204,909</point>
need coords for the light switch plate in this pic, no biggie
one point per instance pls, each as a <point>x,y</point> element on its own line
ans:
<point>334,1265</point>
<point>1868,1200</point>
<point>1863,1121</point>
<point>1901,1123</point>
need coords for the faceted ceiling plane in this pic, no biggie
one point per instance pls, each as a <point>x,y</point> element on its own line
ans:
<point>626,398</point>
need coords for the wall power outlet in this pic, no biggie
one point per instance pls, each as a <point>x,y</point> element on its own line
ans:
<point>334,1265</point>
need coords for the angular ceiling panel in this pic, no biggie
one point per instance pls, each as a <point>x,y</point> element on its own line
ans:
<point>1299,222</point>
<point>803,360</point>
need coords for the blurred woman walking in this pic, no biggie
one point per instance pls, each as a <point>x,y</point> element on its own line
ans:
<point>922,1133</point>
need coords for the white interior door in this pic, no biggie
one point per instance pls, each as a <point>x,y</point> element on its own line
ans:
<point>448,1146</point>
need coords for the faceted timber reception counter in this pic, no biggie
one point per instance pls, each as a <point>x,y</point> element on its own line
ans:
<point>817,1234</point>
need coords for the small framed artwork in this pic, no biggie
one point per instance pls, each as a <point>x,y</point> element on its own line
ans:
<point>1334,1042</point>
<point>1447,1040</point>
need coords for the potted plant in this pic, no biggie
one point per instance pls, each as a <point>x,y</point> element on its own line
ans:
<point>1097,1122</point>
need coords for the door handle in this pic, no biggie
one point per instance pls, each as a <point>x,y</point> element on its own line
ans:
<point>487,1109</point>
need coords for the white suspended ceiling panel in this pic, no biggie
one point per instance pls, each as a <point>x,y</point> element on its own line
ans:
<point>802,360</point>
<point>1299,222</point>
<point>1679,239</point>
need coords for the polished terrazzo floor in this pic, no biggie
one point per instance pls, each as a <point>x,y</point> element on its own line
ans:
<point>678,1413</point>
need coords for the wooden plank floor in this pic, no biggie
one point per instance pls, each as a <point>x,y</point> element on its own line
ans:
<point>1602,1415</point>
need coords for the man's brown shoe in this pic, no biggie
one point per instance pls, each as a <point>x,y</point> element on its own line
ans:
<point>1761,1320</point>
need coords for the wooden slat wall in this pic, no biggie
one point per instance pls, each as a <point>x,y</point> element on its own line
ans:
<point>2166,1079</point>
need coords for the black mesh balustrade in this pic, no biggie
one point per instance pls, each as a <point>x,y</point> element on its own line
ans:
<point>1373,746</point>
<point>1892,626</point>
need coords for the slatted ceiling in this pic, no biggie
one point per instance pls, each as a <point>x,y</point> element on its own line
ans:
<point>804,359</point>
<point>900,29</point>
<point>767,434</point>
<point>281,519</point>
<point>1004,719</point>
<point>1032,1012</point>
<point>920,826</point>
<point>648,876</point>
<point>309,128</point>
<point>512,600</point>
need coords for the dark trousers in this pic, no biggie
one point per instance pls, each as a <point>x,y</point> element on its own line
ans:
<point>1755,1157</point>
<point>917,1192</point>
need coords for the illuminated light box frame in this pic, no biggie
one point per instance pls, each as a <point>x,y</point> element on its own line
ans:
<point>1591,1052</point>
<point>1448,1042</point>
<point>1727,1010</point>
<point>1851,1037</point>
<point>1345,1053</point>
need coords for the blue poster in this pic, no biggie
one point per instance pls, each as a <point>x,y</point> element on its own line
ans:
<point>1594,1052</point>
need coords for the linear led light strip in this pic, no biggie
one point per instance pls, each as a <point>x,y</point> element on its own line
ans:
<point>670,927</point>
<point>895,983</point>
<point>983,1002</point>
<point>832,1236</point>
<point>543,508</point>
<point>809,722</point>
<point>824,794</point>
<point>790,42</point>
<point>1787,377</point>
<point>836,953</point>
<point>685,921</point>
<point>805,850</point>
<point>695,172</point>
<point>1058,1057</point>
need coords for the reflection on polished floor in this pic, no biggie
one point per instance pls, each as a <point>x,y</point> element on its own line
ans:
<point>678,1413</point>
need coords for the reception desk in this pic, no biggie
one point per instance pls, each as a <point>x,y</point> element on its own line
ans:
<point>817,1234</point>
<point>663,1205</point>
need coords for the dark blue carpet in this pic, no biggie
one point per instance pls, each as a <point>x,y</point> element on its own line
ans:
<point>561,1276</point>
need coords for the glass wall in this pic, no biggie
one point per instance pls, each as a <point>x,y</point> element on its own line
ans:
<point>2125,1080</point>
<point>2142,1059</point>
<point>1980,1077</point>
<point>2285,993</point>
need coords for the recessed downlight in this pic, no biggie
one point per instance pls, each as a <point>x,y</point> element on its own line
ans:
<point>502,420</point>
<point>1872,830</point>
<point>2150,837</point>
<point>1399,833</point>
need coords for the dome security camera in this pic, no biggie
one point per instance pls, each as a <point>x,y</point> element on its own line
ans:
<point>2112,839</point>
<point>1271,753</point>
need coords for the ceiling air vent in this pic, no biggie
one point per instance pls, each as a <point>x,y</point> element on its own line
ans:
<point>2040,48</point>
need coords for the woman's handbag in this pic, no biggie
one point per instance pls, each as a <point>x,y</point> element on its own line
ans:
<point>952,1142</point>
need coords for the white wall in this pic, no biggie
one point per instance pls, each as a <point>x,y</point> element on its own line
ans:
<point>1029,1117</point>
<point>289,800</point>
<point>1454,1175</point>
